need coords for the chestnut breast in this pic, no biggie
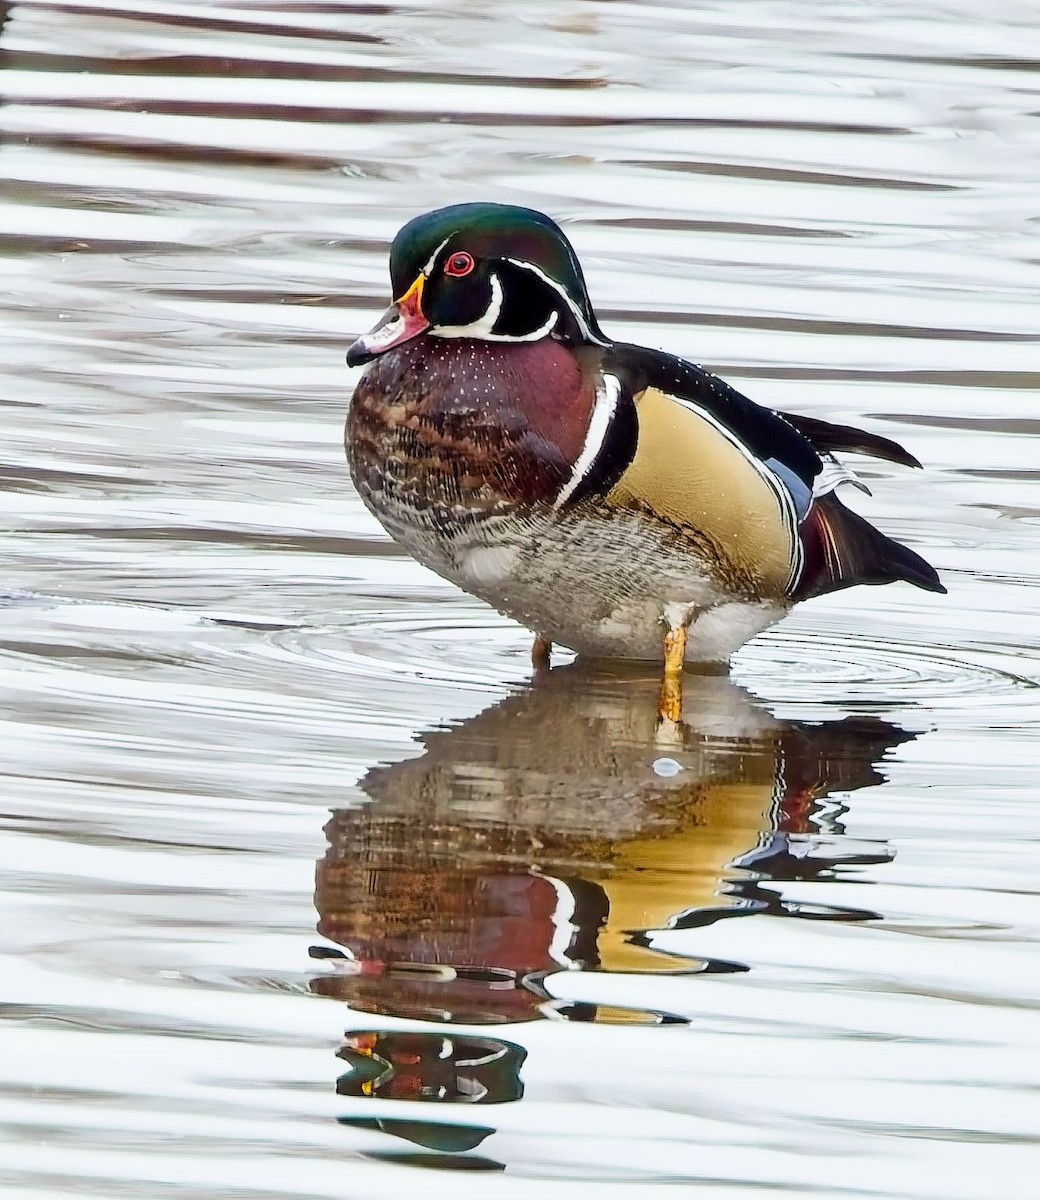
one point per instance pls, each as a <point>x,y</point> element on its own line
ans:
<point>468,426</point>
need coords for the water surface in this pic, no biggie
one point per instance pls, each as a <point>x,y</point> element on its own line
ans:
<point>309,889</point>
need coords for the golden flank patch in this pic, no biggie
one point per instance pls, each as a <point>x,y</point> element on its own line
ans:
<point>710,487</point>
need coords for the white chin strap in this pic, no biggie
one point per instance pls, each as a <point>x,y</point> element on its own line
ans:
<point>483,328</point>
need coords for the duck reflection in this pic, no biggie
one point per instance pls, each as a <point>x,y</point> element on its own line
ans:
<point>558,830</point>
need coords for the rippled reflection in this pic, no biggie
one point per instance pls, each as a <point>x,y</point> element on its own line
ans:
<point>561,830</point>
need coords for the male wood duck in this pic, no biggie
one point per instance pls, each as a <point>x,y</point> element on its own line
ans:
<point>615,499</point>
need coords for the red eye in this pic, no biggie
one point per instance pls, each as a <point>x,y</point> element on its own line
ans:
<point>459,264</point>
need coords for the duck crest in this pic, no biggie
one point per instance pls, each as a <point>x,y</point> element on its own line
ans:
<point>467,427</point>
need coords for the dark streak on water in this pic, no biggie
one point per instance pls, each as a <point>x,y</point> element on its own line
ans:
<point>792,951</point>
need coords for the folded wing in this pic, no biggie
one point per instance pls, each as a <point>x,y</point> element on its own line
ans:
<point>828,546</point>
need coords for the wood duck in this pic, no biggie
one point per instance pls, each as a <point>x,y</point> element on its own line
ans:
<point>615,499</point>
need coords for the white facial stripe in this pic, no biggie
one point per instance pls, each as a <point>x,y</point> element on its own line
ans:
<point>486,324</point>
<point>599,425</point>
<point>484,327</point>
<point>474,331</point>
<point>535,335</point>
<point>576,312</point>
<point>433,257</point>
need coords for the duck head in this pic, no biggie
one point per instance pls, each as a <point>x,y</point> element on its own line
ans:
<point>492,272</point>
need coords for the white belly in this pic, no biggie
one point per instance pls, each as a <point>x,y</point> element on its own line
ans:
<point>596,584</point>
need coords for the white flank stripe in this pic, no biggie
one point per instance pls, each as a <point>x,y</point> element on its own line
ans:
<point>564,928</point>
<point>833,474</point>
<point>599,425</point>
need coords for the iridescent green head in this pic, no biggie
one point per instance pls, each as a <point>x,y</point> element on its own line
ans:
<point>494,272</point>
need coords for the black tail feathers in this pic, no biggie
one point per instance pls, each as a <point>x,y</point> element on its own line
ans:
<point>843,549</point>
<point>847,439</point>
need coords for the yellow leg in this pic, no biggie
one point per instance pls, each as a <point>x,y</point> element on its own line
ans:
<point>540,652</point>
<point>670,707</point>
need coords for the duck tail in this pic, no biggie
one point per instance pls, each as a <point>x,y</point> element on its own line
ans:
<point>847,439</point>
<point>843,549</point>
